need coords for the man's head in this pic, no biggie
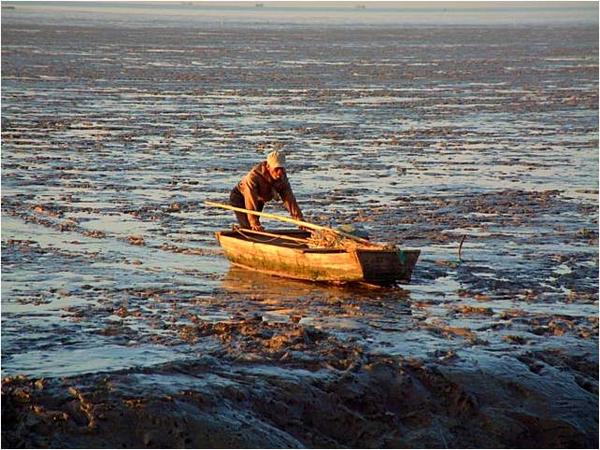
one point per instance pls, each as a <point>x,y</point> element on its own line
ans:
<point>276,164</point>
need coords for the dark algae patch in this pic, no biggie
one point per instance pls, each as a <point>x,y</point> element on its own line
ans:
<point>371,401</point>
<point>123,325</point>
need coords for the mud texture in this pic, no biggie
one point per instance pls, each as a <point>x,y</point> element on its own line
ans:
<point>123,324</point>
<point>307,389</point>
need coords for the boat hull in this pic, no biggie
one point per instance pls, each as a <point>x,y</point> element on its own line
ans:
<point>289,259</point>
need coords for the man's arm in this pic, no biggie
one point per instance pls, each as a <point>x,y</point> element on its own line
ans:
<point>284,189</point>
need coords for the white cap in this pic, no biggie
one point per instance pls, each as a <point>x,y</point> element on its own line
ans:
<point>276,159</point>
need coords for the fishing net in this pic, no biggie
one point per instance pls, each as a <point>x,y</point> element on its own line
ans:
<point>331,239</point>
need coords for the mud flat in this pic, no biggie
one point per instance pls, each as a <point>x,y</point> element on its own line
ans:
<point>276,380</point>
<point>124,326</point>
<point>304,388</point>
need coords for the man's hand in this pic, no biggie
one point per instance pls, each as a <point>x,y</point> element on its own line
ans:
<point>257,228</point>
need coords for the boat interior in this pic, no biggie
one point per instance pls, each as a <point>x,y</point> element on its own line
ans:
<point>291,238</point>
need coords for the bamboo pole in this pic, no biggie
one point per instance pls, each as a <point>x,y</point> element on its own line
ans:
<point>300,223</point>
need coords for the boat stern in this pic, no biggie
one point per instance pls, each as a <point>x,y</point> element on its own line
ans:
<point>387,266</point>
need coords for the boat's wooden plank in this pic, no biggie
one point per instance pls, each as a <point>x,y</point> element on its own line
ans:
<point>316,266</point>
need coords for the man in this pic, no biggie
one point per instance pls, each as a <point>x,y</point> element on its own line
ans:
<point>260,185</point>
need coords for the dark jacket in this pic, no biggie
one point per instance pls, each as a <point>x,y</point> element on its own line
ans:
<point>258,187</point>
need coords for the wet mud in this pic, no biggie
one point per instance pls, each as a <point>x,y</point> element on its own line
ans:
<point>123,324</point>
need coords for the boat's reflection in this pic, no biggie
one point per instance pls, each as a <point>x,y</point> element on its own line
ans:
<point>326,306</point>
<point>243,281</point>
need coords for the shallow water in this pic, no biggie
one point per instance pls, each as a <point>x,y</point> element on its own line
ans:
<point>120,134</point>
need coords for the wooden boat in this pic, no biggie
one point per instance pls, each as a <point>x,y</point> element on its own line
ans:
<point>285,253</point>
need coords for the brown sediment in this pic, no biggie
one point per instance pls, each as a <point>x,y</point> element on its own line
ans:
<point>443,329</point>
<point>475,310</point>
<point>190,251</point>
<point>136,240</point>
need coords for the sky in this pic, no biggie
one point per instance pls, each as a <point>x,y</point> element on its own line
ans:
<point>351,12</point>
